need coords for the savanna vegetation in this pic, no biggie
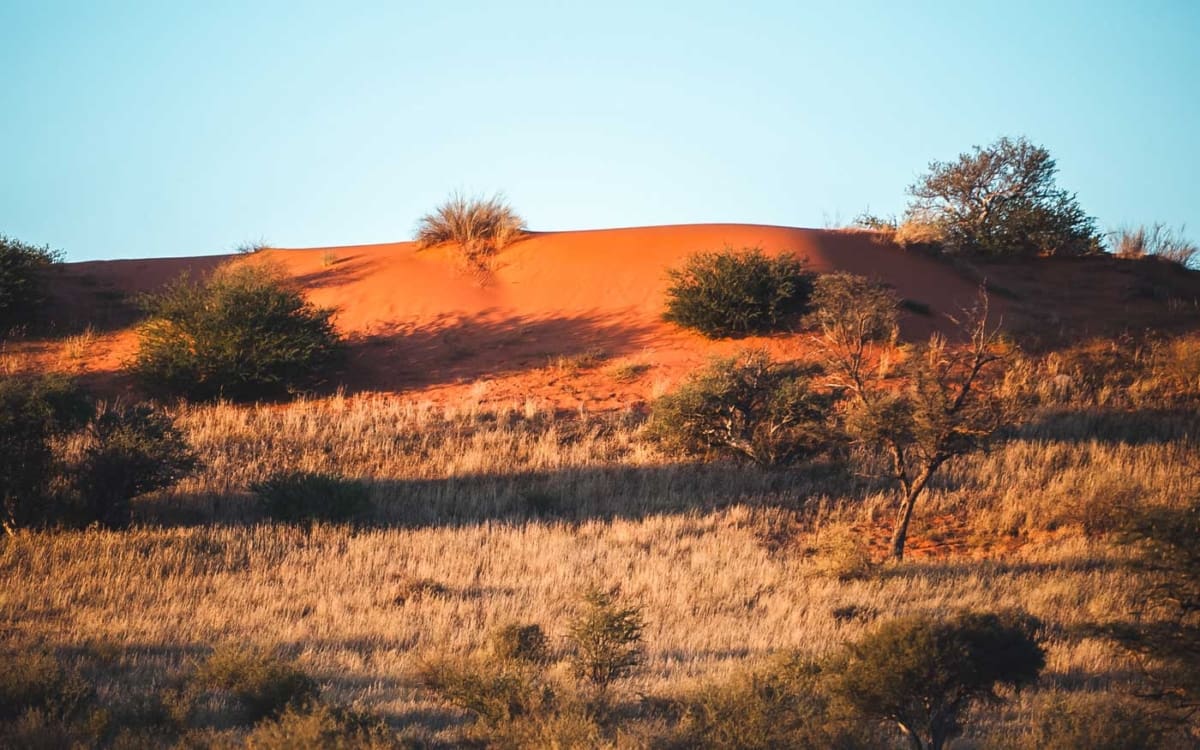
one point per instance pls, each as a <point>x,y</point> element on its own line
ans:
<point>867,543</point>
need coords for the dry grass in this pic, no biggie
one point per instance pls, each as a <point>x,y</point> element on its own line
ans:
<point>1157,240</point>
<point>486,517</point>
<point>479,226</point>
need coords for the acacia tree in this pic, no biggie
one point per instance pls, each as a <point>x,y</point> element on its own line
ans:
<point>920,405</point>
<point>1002,199</point>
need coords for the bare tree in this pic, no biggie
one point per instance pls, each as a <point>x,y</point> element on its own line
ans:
<point>921,405</point>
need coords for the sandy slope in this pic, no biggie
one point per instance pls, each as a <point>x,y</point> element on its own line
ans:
<point>571,319</point>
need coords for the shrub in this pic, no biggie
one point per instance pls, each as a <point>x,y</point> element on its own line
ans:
<point>22,282</point>
<point>784,705</point>
<point>737,293</point>
<point>32,412</point>
<point>922,673</point>
<point>305,497</point>
<point>1002,200</point>
<point>321,727</point>
<point>746,406</point>
<point>258,684</point>
<point>1094,722</point>
<point>607,640</point>
<point>520,642</point>
<point>37,681</point>
<point>133,450</point>
<point>497,692</point>
<point>244,334</point>
<point>479,226</point>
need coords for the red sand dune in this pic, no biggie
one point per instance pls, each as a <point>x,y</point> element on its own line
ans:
<point>423,324</point>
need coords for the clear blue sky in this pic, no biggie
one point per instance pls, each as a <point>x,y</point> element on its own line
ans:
<point>152,128</point>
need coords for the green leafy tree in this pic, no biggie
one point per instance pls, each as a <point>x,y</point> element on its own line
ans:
<point>244,334</point>
<point>22,281</point>
<point>1002,199</point>
<point>749,407</point>
<point>735,293</point>
<point>922,672</point>
<point>607,639</point>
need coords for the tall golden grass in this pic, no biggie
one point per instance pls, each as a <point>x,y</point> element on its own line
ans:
<point>506,513</point>
<point>479,226</point>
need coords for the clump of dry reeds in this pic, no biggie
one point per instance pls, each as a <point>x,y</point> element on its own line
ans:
<point>479,226</point>
<point>1157,240</point>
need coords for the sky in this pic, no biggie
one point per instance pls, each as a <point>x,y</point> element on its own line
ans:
<point>139,129</point>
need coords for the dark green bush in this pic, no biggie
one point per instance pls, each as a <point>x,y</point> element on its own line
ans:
<point>781,706</point>
<point>922,673</point>
<point>521,643</point>
<point>305,497</point>
<point>258,684</point>
<point>32,412</point>
<point>749,407</point>
<point>606,639</point>
<point>37,681</point>
<point>244,334</point>
<point>133,450</point>
<point>738,293</point>
<point>322,727</point>
<point>22,281</point>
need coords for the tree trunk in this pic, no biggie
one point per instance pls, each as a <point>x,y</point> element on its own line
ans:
<point>900,533</point>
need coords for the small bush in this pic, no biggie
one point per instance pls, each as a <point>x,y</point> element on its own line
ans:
<point>244,334</point>
<point>738,293</point>
<point>519,642</point>
<point>479,226</point>
<point>321,727</point>
<point>133,450</point>
<point>33,411</point>
<point>842,553</point>
<point>497,692</point>
<point>922,673</point>
<point>748,407</point>
<point>38,682</point>
<point>22,281</point>
<point>1094,722</point>
<point>607,640</point>
<point>305,497</point>
<point>782,706</point>
<point>258,685</point>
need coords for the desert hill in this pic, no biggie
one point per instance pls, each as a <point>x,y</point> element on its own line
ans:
<point>573,319</point>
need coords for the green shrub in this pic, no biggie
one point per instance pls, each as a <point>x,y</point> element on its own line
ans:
<point>22,281</point>
<point>32,412</point>
<point>922,673</point>
<point>257,684</point>
<point>782,706</point>
<point>133,450</point>
<point>1104,722</point>
<point>735,293</point>
<point>606,638</point>
<point>479,226</point>
<point>305,497</point>
<point>748,407</point>
<point>37,681</point>
<point>321,727</point>
<point>521,642</point>
<point>244,334</point>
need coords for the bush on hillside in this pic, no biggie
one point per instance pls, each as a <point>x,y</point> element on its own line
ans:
<point>33,411</point>
<point>22,282</point>
<point>245,334</point>
<point>748,407</point>
<point>1001,199</point>
<point>304,497</point>
<point>606,638</point>
<point>521,642</point>
<point>257,684</point>
<point>735,293</point>
<point>1157,241</point>
<point>923,673</point>
<point>479,226</point>
<point>133,450</point>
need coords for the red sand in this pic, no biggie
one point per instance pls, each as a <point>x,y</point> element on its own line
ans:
<point>423,324</point>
